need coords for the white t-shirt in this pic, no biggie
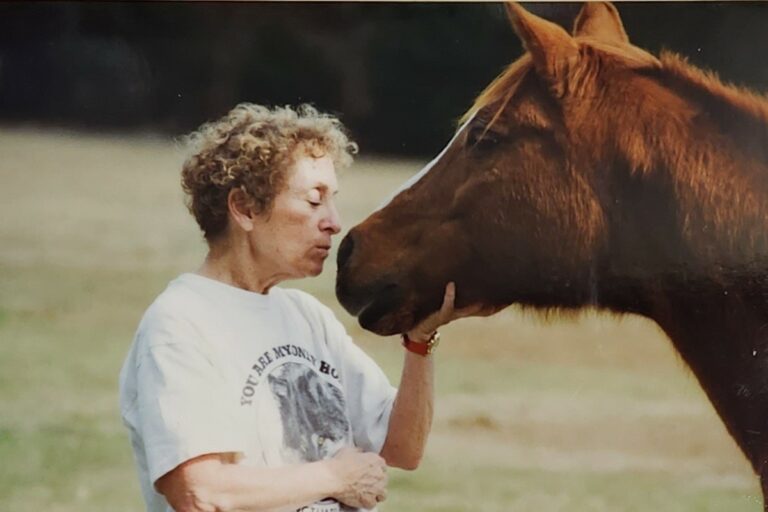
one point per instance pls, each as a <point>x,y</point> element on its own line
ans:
<point>214,368</point>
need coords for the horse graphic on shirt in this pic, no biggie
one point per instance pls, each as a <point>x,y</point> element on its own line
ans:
<point>312,410</point>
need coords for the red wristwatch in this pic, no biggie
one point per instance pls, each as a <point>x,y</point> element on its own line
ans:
<point>423,348</point>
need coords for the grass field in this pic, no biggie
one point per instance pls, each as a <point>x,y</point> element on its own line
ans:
<point>587,414</point>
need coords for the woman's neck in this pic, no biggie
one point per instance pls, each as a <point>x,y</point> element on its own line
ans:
<point>236,265</point>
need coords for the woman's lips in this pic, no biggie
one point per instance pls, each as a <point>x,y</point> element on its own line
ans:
<point>323,250</point>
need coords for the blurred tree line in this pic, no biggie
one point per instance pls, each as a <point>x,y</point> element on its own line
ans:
<point>398,74</point>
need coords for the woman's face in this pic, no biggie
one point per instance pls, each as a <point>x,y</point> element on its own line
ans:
<point>295,237</point>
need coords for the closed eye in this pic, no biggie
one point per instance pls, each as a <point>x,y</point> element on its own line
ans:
<point>315,197</point>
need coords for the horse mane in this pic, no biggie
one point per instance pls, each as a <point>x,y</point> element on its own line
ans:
<point>739,110</point>
<point>502,88</point>
<point>706,85</point>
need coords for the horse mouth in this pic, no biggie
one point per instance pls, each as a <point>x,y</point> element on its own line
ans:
<point>379,313</point>
<point>381,304</point>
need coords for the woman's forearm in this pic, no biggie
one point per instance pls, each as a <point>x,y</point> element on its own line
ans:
<point>208,484</point>
<point>411,417</point>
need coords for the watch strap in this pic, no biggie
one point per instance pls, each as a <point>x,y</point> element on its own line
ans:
<point>423,348</point>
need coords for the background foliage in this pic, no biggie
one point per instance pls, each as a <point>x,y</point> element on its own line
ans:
<point>399,74</point>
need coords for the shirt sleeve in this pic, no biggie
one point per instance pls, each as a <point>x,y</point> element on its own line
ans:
<point>183,411</point>
<point>369,394</point>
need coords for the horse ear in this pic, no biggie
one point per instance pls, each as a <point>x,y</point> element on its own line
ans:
<point>553,50</point>
<point>600,20</point>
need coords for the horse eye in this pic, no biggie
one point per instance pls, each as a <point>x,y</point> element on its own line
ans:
<point>481,138</point>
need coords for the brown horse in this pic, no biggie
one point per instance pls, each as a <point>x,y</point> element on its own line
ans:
<point>593,174</point>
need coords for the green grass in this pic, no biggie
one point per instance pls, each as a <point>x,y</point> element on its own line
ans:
<point>592,413</point>
<point>497,488</point>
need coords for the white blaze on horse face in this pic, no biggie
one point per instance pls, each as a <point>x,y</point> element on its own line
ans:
<point>423,172</point>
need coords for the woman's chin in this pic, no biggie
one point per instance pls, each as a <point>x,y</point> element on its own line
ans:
<point>315,269</point>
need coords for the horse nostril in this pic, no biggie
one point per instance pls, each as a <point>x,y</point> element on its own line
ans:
<point>345,250</point>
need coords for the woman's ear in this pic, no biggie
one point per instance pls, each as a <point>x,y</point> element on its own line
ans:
<point>240,209</point>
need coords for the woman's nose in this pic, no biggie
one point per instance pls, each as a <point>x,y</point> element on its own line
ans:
<point>332,221</point>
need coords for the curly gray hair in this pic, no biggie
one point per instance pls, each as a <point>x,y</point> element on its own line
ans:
<point>252,147</point>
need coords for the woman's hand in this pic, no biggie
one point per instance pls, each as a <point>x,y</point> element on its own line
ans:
<point>424,329</point>
<point>362,478</point>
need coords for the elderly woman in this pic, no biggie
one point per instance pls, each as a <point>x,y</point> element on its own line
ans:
<point>241,395</point>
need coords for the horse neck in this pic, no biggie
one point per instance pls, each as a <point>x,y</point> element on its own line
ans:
<point>688,248</point>
<point>723,338</point>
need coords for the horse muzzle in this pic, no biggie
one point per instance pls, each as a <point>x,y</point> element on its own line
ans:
<point>372,297</point>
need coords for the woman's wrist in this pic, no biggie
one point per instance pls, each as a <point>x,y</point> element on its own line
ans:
<point>331,481</point>
<point>419,336</point>
<point>424,345</point>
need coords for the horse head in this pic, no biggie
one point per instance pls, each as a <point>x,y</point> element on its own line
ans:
<point>589,173</point>
<point>508,210</point>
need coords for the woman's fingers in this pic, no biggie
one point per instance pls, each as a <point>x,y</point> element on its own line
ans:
<point>449,299</point>
<point>448,313</point>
